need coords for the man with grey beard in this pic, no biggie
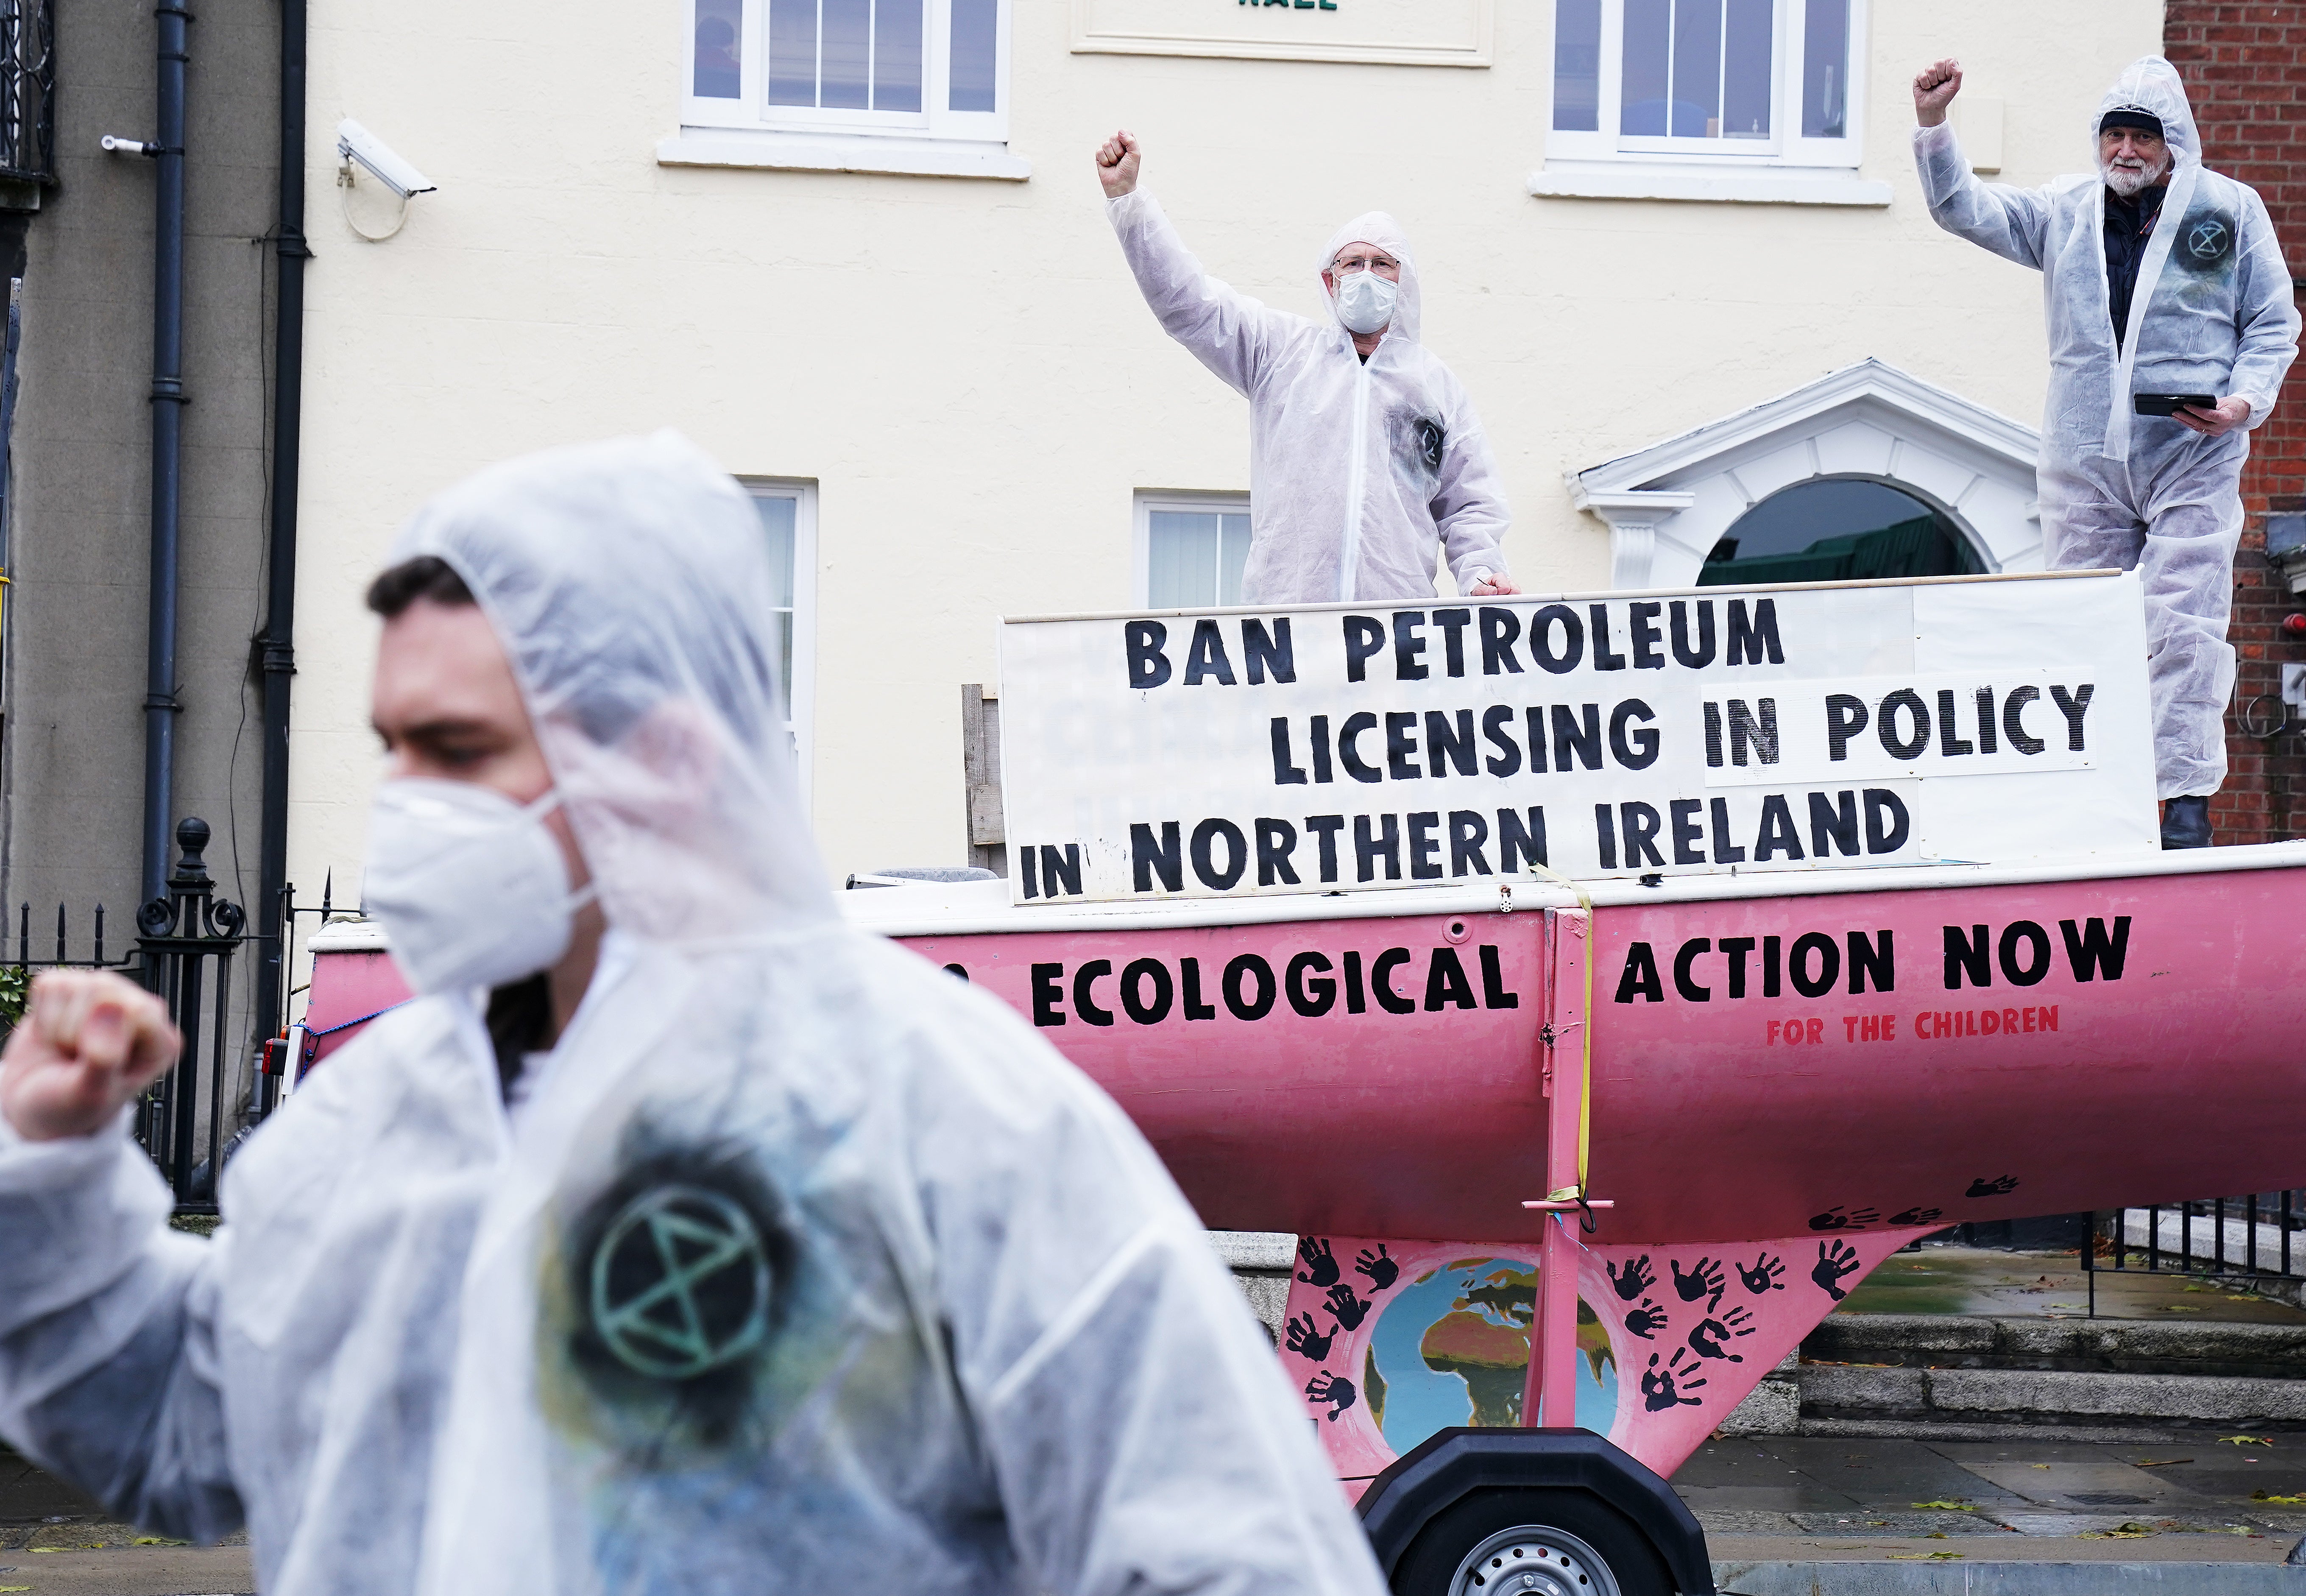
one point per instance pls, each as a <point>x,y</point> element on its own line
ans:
<point>2168,342</point>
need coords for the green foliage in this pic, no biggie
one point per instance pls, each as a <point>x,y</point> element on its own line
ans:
<point>15,985</point>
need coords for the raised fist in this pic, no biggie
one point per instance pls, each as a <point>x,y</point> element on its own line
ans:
<point>89,1043</point>
<point>1118,160</point>
<point>1935,87</point>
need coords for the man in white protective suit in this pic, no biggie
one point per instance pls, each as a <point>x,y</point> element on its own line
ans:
<point>2159,277</point>
<point>1366,460</point>
<point>679,1239</point>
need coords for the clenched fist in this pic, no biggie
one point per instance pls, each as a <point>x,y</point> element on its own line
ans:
<point>88,1044</point>
<point>1118,160</point>
<point>1935,87</point>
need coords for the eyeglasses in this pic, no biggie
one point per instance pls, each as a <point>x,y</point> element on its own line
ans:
<point>1365,260</point>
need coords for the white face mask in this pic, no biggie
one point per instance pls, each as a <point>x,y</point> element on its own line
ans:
<point>1365,301</point>
<point>469,886</point>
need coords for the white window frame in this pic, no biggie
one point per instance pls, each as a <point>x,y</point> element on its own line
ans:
<point>1605,163</point>
<point>800,692</point>
<point>1191,501</point>
<point>935,140</point>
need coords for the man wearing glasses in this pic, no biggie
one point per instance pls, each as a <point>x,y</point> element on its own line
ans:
<point>1366,460</point>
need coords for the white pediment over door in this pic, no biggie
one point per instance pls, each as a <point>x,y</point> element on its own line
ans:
<point>1666,505</point>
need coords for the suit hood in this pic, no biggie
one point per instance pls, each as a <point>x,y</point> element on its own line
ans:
<point>630,584</point>
<point>1376,227</point>
<point>2152,85</point>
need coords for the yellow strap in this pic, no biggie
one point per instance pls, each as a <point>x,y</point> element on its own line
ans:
<point>1586,1043</point>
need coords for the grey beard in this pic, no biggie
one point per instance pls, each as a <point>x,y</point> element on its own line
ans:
<point>2128,183</point>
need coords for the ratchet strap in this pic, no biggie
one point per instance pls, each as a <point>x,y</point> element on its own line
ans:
<point>1584,1047</point>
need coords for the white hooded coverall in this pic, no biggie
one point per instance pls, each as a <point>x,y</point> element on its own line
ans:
<point>2212,313</point>
<point>995,1351</point>
<point>1357,470</point>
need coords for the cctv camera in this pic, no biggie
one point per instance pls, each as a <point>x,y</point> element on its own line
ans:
<point>357,143</point>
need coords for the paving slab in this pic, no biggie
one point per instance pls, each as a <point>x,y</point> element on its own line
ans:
<point>2080,1478</point>
<point>1895,1474</point>
<point>1923,1577</point>
<point>131,1571</point>
<point>2221,1551</point>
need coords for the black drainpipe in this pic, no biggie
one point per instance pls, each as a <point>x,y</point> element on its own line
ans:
<point>277,645</point>
<point>168,402</point>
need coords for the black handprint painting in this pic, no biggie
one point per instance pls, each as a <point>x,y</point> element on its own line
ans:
<point>1380,1268</point>
<point>1334,1388</point>
<point>1833,1266</point>
<point>1662,1388</point>
<point>1306,1340</point>
<point>1916,1216</point>
<point>1712,1337</point>
<point>1349,1309</point>
<point>1836,1218</point>
<point>1704,1279</point>
<point>2002,1187</point>
<point>1646,1320</point>
<point>1320,1263</point>
<point>1762,1276</point>
<point>1634,1281</point>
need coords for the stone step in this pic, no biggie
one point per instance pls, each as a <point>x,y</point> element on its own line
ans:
<point>2101,1381</point>
<point>1998,1399</point>
<point>2069,1346</point>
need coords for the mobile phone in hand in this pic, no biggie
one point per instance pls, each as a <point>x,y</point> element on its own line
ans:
<point>2169,404</point>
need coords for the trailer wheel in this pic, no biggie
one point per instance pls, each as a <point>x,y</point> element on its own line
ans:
<point>1522,1542</point>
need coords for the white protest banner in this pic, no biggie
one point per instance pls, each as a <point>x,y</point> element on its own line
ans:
<point>1339,748</point>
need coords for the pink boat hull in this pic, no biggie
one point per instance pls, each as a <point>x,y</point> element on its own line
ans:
<point>1917,1103</point>
<point>1783,1090</point>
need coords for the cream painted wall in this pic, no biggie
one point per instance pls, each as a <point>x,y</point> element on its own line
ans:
<point>964,366</point>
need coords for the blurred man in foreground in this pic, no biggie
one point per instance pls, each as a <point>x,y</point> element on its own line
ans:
<point>679,1239</point>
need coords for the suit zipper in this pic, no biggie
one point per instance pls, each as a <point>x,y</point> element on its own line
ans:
<point>1356,479</point>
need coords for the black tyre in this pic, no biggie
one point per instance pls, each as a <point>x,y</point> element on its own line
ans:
<point>1514,1543</point>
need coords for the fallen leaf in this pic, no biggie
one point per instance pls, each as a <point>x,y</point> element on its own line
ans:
<point>159,1541</point>
<point>2259,1495</point>
<point>1953,1507</point>
<point>2041,1465</point>
<point>2246,1440</point>
<point>2181,1307</point>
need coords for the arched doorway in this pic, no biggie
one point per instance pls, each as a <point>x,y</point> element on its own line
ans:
<point>1668,505</point>
<point>1838,529</point>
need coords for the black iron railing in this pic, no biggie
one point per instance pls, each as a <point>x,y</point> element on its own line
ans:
<point>185,943</point>
<point>2260,1235</point>
<point>28,92</point>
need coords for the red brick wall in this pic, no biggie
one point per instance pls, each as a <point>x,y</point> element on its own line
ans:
<point>2245,71</point>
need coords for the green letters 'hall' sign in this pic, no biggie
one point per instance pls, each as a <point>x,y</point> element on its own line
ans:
<point>1391,32</point>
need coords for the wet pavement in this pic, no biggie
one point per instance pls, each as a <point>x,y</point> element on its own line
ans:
<point>2164,1501</point>
<point>54,1541</point>
<point>1988,1283</point>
